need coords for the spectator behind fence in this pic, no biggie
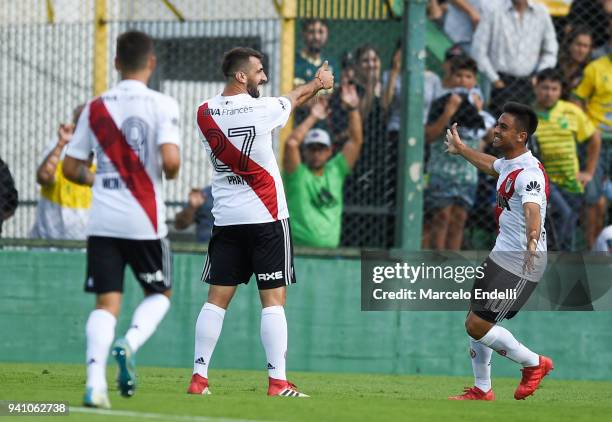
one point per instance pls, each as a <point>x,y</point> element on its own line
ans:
<point>594,94</point>
<point>8,194</point>
<point>392,89</point>
<point>452,181</point>
<point>606,48</point>
<point>436,9</point>
<point>370,189</point>
<point>514,39</point>
<point>315,34</point>
<point>561,125</point>
<point>461,21</point>
<point>63,208</point>
<point>593,14</point>
<point>573,57</point>
<point>199,210</point>
<point>315,187</point>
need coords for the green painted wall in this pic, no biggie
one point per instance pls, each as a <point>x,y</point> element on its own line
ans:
<point>43,311</point>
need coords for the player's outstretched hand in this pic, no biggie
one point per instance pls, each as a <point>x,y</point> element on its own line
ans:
<point>453,141</point>
<point>64,133</point>
<point>325,76</point>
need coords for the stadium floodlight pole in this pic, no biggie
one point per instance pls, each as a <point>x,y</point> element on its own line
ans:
<point>409,209</point>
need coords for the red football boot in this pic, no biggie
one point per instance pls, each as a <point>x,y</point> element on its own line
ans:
<point>474,393</point>
<point>532,376</point>
<point>199,385</point>
<point>283,388</point>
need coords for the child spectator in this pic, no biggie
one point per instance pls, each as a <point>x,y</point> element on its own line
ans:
<point>452,181</point>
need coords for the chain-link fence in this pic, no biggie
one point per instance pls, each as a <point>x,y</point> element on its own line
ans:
<point>57,54</point>
<point>359,51</point>
<point>546,54</point>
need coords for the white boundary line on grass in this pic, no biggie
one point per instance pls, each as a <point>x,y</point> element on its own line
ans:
<point>147,415</point>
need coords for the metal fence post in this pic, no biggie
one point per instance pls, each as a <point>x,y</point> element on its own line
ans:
<point>410,186</point>
<point>100,58</point>
<point>288,11</point>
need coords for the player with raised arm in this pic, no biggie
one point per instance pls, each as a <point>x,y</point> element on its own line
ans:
<point>518,259</point>
<point>251,232</point>
<point>135,135</point>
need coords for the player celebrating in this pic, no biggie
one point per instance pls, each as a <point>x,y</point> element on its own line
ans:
<point>518,259</point>
<point>134,133</point>
<point>251,232</point>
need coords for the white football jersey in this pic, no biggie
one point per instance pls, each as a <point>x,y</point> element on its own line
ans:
<point>237,134</point>
<point>125,127</point>
<point>521,180</point>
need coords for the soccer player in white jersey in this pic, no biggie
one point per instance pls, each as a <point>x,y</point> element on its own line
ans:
<point>135,135</point>
<point>518,259</point>
<point>251,232</point>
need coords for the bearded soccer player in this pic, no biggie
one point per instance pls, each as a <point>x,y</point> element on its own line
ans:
<point>135,135</point>
<point>251,232</point>
<point>518,259</point>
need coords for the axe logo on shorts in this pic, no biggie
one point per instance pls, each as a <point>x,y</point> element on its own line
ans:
<point>270,276</point>
<point>151,277</point>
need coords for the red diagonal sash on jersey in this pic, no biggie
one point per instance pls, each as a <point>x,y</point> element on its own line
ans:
<point>255,175</point>
<point>124,158</point>
<point>546,184</point>
<point>504,193</point>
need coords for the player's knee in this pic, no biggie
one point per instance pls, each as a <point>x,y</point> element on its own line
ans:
<point>273,297</point>
<point>110,307</point>
<point>221,302</point>
<point>219,296</point>
<point>110,302</point>
<point>472,328</point>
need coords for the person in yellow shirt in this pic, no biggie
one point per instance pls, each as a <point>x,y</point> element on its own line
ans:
<point>63,207</point>
<point>561,126</point>
<point>594,94</point>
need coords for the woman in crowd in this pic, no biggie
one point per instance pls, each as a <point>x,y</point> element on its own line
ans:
<point>574,55</point>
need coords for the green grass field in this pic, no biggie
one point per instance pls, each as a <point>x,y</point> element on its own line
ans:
<point>240,395</point>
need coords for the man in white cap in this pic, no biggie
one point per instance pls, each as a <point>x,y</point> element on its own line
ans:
<point>314,187</point>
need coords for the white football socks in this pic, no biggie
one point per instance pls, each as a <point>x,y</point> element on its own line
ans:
<point>274,340</point>
<point>146,318</point>
<point>207,331</point>
<point>504,343</point>
<point>481,364</point>
<point>100,331</point>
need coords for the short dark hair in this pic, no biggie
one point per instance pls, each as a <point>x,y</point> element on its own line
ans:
<point>133,50</point>
<point>308,22</point>
<point>458,63</point>
<point>549,74</point>
<point>454,50</point>
<point>237,58</point>
<point>524,116</point>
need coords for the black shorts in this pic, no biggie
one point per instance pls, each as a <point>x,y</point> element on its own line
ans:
<point>498,279</point>
<point>150,261</point>
<point>236,252</point>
